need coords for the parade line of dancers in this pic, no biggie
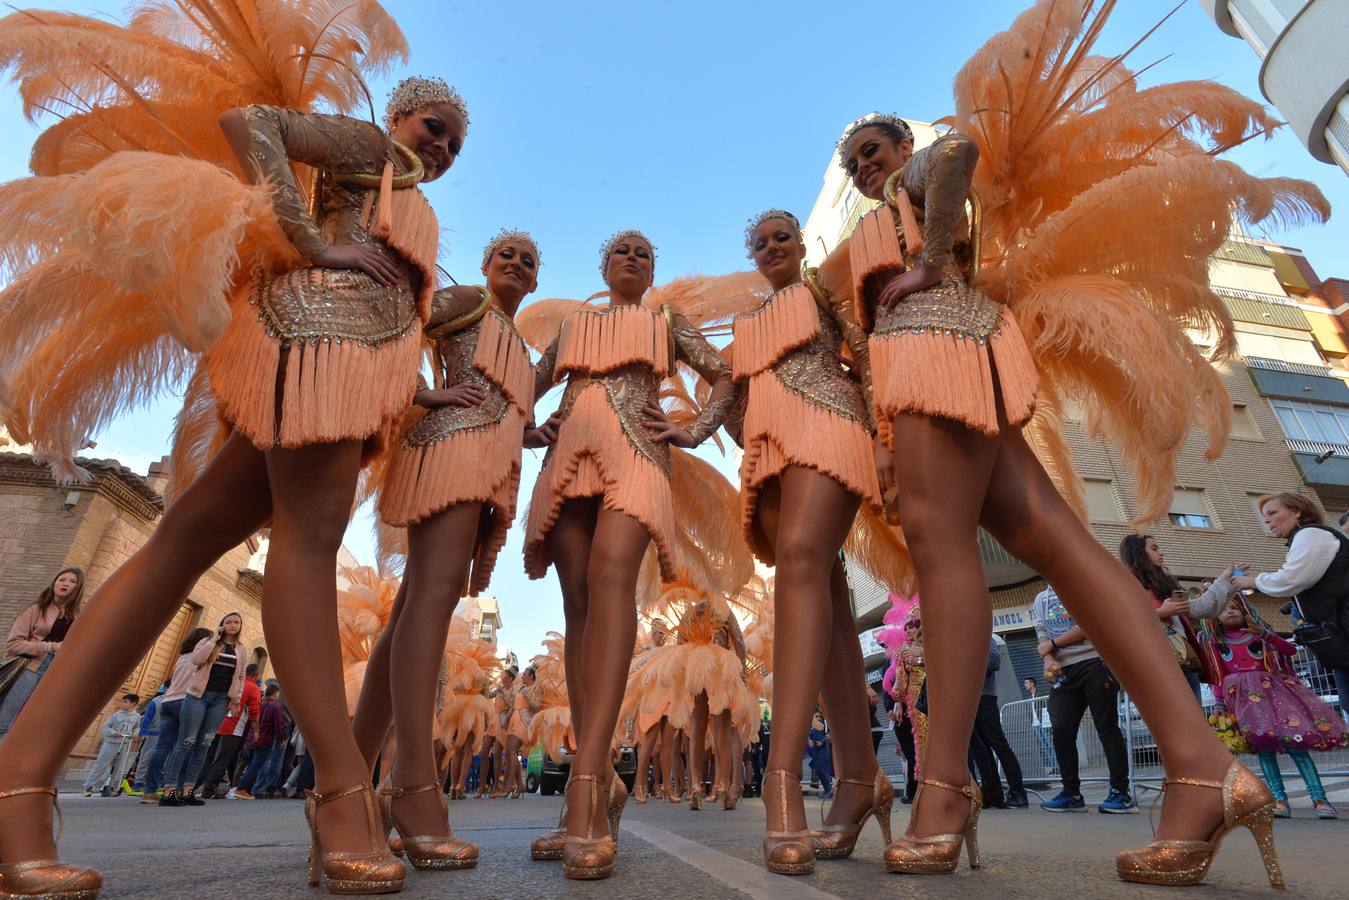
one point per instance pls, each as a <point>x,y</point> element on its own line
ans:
<point>195,219</point>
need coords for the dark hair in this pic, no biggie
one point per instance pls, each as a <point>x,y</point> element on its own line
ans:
<point>134,698</point>
<point>530,672</point>
<point>195,637</point>
<point>48,596</point>
<point>1133,552</point>
<point>251,669</point>
<point>272,690</point>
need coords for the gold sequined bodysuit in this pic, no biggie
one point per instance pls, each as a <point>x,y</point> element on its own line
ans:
<point>341,347</point>
<point>803,407</point>
<point>614,360</point>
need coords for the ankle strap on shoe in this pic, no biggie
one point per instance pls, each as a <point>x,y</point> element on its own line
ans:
<point>1195,782</point>
<point>320,799</point>
<point>397,791</point>
<point>966,791</point>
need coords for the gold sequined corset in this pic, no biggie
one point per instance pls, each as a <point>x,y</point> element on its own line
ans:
<point>816,373</point>
<point>456,352</point>
<point>950,307</point>
<point>629,389</point>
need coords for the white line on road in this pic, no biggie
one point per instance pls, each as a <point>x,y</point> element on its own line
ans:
<point>736,874</point>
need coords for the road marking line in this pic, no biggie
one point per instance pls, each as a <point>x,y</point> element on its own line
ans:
<point>736,874</point>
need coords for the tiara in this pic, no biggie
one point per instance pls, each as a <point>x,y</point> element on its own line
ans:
<point>505,236</point>
<point>906,132</point>
<point>762,217</point>
<point>416,93</point>
<point>616,239</point>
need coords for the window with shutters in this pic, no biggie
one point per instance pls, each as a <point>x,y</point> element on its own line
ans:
<point>1189,509</point>
<point>1102,502</point>
<point>1243,426</point>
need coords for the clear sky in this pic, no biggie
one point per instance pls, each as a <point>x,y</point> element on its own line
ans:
<point>684,120</point>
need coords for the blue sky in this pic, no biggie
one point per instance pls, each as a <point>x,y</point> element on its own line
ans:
<point>684,120</point>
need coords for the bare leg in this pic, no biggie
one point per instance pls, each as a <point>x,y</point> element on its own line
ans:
<point>485,768</point>
<point>806,517</point>
<point>569,544</point>
<point>439,550</point>
<point>943,480</point>
<point>849,713</point>
<point>312,491</point>
<point>374,709</point>
<point>644,747</point>
<point>1027,514</point>
<point>514,780</point>
<point>698,744</point>
<point>668,738</point>
<point>610,629</point>
<point>721,740</point>
<point>226,504</point>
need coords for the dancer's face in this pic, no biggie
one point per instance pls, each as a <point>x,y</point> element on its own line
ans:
<point>436,134</point>
<point>630,269</point>
<point>65,586</point>
<point>513,272</point>
<point>1155,554</point>
<point>1280,519</point>
<point>871,156</point>
<point>778,252</point>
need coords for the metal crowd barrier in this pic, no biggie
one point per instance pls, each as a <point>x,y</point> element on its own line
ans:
<point>1026,723</point>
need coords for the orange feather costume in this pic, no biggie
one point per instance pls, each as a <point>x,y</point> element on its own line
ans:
<point>184,261</point>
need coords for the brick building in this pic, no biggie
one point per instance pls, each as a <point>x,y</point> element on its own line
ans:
<point>98,525</point>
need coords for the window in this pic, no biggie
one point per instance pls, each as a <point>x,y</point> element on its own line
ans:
<point>1102,503</point>
<point>1189,509</point>
<point>1306,421</point>
<point>1269,346</point>
<point>1243,426</point>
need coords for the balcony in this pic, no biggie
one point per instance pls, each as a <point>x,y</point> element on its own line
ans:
<point>1264,309</point>
<point>1330,477</point>
<point>1297,381</point>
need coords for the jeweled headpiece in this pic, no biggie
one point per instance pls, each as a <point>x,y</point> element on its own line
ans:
<point>615,240</point>
<point>896,127</point>
<point>416,93</point>
<point>763,217</point>
<point>505,236</point>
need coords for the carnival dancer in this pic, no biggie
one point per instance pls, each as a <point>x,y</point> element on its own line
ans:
<point>651,723</point>
<point>903,681</point>
<point>604,495</point>
<point>523,707</point>
<point>470,667</point>
<point>809,464</point>
<point>452,482</point>
<point>311,364</point>
<point>502,695</point>
<point>1063,152</point>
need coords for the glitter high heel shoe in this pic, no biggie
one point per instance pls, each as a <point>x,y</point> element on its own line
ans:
<point>47,878</point>
<point>696,797</point>
<point>435,851</point>
<point>839,841</point>
<point>375,871</point>
<point>786,852</point>
<point>386,817</point>
<point>589,858</point>
<point>938,854</point>
<point>548,846</point>
<point>1247,803</point>
<point>618,801</point>
<point>732,797</point>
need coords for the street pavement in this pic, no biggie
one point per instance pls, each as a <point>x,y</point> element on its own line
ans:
<point>241,849</point>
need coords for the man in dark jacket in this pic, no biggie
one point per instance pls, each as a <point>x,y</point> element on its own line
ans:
<point>989,739</point>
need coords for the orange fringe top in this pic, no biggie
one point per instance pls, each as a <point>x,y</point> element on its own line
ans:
<point>785,323</point>
<point>600,341</point>
<point>876,255</point>
<point>502,357</point>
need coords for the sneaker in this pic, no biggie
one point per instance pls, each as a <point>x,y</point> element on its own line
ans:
<point>1119,803</point>
<point>150,797</point>
<point>1065,802</point>
<point>1324,810</point>
<point>106,792</point>
<point>170,799</point>
<point>88,792</point>
<point>1284,811</point>
<point>1017,801</point>
<point>241,794</point>
<point>191,799</point>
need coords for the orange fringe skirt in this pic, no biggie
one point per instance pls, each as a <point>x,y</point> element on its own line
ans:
<point>952,376</point>
<point>784,429</point>
<point>594,458</point>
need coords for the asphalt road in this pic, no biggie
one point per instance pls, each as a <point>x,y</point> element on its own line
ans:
<point>258,849</point>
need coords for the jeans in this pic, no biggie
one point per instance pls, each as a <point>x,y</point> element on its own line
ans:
<point>988,728</point>
<point>169,717</point>
<point>1088,685</point>
<point>264,768</point>
<point>19,692</point>
<point>1269,764</point>
<point>1047,758</point>
<point>1194,681</point>
<point>198,717</point>
<point>1341,686</point>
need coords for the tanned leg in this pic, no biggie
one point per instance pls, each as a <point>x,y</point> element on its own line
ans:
<point>610,630</point>
<point>698,744</point>
<point>514,780</point>
<point>222,508</point>
<point>312,491</point>
<point>943,470</point>
<point>485,759</point>
<point>668,738</point>
<point>806,519</point>
<point>374,709</point>
<point>644,747</point>
<point>1026,513</point>
<point>849,712</point>
<point>569,544</point>
<point>439,551</point>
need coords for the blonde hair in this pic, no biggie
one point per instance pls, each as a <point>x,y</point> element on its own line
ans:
<point>1305,509</point>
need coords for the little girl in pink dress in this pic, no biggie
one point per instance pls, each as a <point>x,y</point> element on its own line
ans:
<point>1274,710</point>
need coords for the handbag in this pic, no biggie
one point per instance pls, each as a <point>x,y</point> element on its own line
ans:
<point>10,672</point>
<point>1327,641</point>
<point>1181,649</point>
